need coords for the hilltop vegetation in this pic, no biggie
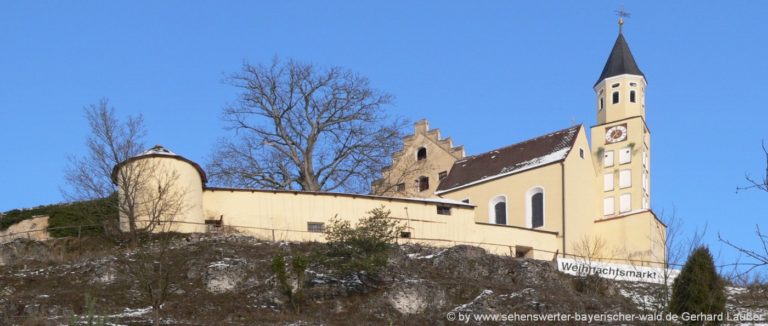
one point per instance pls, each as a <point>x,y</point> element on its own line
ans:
<point>67,219</point>
<point>229,279</point>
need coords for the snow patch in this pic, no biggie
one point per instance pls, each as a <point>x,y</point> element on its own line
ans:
<point>482,295</point>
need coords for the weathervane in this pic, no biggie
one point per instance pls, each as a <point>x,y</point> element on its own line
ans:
<point>621,13</point>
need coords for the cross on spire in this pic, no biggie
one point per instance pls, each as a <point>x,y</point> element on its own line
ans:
<point>621,13</point>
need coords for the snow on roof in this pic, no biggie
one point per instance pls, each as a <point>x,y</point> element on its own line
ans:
<point>516,158</point>
<point>158,150</point>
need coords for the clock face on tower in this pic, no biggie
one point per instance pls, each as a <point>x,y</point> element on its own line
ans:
<point>616,133</point>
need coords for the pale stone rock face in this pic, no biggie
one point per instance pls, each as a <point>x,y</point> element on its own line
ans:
<point>415,296</point>
<point>225,276</point>
<point>32,229</point>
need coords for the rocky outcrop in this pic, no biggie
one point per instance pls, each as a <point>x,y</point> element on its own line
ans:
<point>30,229</point>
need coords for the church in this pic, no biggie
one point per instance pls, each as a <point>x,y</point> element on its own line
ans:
<point>554,195</point>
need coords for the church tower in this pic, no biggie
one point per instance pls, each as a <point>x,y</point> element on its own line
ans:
<point>621,141</point>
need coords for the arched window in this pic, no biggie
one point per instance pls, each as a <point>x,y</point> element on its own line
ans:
<point>421,154</point>
<point>615,97</point>
<point>422,183</point>
<point>497,210</point>
<point>632,96</point>
<point>601,103</point>
<point>535,207</point>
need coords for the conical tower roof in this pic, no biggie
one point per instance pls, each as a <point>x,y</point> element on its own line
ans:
<point>620,61</point>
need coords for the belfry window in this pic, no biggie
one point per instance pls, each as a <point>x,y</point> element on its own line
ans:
<point>615,97</point>
<point>421,154</point>
<point>632,97</point>
<point>602,103</point>
<point>497,209</point>
<point>535,207</point>
<point>422,183</point>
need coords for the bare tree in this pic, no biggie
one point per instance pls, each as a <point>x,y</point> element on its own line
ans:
<point>757,257</point>
<point>145,198</point>
<point>300,126</point>
<point>109,142</point>
<point>401,178</point>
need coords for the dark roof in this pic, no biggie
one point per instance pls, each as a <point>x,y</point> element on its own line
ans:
<point>160,151</point>
<point>530,154</point>
<point>620,61</point>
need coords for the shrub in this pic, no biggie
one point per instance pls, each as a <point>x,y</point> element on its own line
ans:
<point>82,218</point>
<point>698,288</point>
<point>299,265</point>
<point>363,248</point>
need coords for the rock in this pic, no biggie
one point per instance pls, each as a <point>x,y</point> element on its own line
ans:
<point>415,296</point>
<point>225,276</point>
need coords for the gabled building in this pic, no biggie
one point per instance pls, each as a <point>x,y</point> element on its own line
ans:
<point>550,196</point>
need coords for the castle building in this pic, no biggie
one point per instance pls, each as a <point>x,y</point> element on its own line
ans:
<point>552,195</point>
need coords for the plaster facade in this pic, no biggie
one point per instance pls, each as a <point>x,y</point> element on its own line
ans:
<point>545,197</point>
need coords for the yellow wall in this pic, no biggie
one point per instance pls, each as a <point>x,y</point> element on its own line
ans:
<point>612,112</point>
<point>638,236</point>
<point>258,212</point>
<point>186,181</point>
<point>579,201</point>
<point>407,169</point>
<point>515,187</point>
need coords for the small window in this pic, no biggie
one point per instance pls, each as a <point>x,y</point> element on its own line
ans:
<point>608,182</point>
<point>421,154</point>
<point>608,206</point>
<point>500,211</point>
<point>602,103</point>
<point>625,178</point>
<point>405,234</point>
<point>423,183</point>
<point>633,84</point>
<point>632,96</point>
<point>537,210</point>
<point>608,158</point>
<point>318,227</point>
<point>442,175</point>
<point>645,158</point>
<point>581,152</point>
<point>465,200</point>
<point>497,210</point>
<point>625,203</point>
<point>645,181</point>
<point>400,187</point>
<point>615,85</point>
<point>443,210</point>
<point>615,97</point>
<point>625,155</point>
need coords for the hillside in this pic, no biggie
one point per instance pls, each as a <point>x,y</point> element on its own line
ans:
<point>228,279</point>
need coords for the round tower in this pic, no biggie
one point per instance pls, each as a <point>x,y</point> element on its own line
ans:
<point>161,191</point>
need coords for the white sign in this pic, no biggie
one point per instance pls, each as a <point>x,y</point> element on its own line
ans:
<point>618,272</point>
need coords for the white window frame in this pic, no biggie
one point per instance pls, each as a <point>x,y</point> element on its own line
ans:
<point>529,210</point>
<point>625,203</point>
<point>609,206</point>
<point>625,178</point>
<point>608,182</point>
<point>492,208</point>
<point>608,159</point>
<point>625,155</point>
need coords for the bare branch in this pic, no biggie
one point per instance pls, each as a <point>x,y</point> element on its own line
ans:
<point>298,126</point>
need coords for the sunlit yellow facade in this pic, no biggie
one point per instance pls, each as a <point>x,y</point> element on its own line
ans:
<point>553,195</point>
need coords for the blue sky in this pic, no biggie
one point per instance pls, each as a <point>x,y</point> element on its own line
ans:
<point>487,74</point>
